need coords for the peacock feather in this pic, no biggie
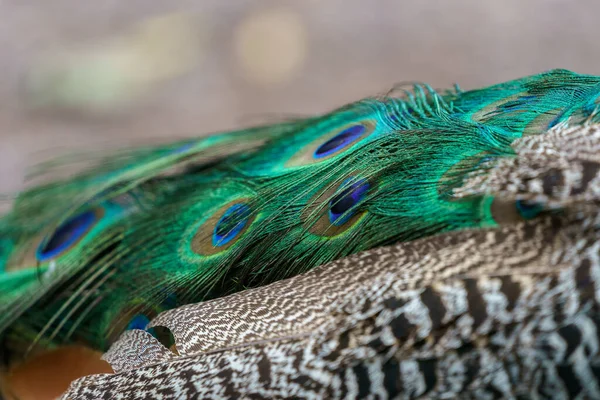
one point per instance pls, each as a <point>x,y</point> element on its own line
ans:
<point>150,229</point>
<point>509,311</point>
<point>534,104</point>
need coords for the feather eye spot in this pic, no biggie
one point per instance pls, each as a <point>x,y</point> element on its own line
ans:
<point>182,148</point>
<point>504,105</point>
<point>223,228</point>
<point>139,321</point>
<point>230,224</point>
<point>511,211</point>
<point>342,204</point>
<point>337,208</point>
<point>340,141</point>
<point>66,235</point>
<point>527,209</point>
<point>331,141</point>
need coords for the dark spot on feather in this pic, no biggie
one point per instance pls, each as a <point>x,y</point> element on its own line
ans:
<point>393,303</point>
<point>572,336</point>
<point>556,224</point>
<point>302,380</point>
<point>392,378</point>
<point>297,360</point>
<point>510,328</point>
<point>434,304</point>
<point>427,368</point>
<point>231,223</point>
<point>490,388</point>
<point>377,330</point>
<point>596,322</point>
<point>332,355</point>
<point>590,171</point>
<point>330,144</point>
<point>551,180</point>
<point>67,234</point>
<point>583,280</point>
<point>596,371</point>
<point>559,313</point>
<point>340,141</point>
<point>340,206</point>
<point>547,388</point>
<point>363,380</point>
<point>344,340</point>
<point>529,231</point>
<point>367,304</point>
<point>588,351</point>
<point>419,344</point>
<point>570,380</point>
<point>264,368</point>
<point>376,344</point>
<point>528,209</point>
<point>343,391</point>
<point>471,362</point>
<point>511,290</point>
<point>494,347</point>
<point>164,336</point>
<point>476,302</point>
<point>401,327</point>
<point>225,375</point>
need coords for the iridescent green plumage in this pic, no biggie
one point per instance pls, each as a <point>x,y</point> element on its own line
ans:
<point>533,104</point>
<point>158,227</point>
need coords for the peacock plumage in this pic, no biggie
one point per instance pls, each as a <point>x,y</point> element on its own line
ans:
<point>150,229</point>
<point>504,312</point>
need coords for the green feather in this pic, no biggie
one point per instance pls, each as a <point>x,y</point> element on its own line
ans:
<point>533,104</point>
<point>153,228</point>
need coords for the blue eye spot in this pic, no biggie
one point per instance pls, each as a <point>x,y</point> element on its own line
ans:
<point>527,209</point>
<point>66,235</point>
<point>183,148</point>
<point>139,321</point>
<point>230,224</point>
<point>339,141</point>
<point>345,200</point>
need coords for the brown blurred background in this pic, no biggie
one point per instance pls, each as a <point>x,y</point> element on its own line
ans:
<point>75,73</point>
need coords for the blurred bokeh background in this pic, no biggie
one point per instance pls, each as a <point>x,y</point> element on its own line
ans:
<point>79,74</point>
